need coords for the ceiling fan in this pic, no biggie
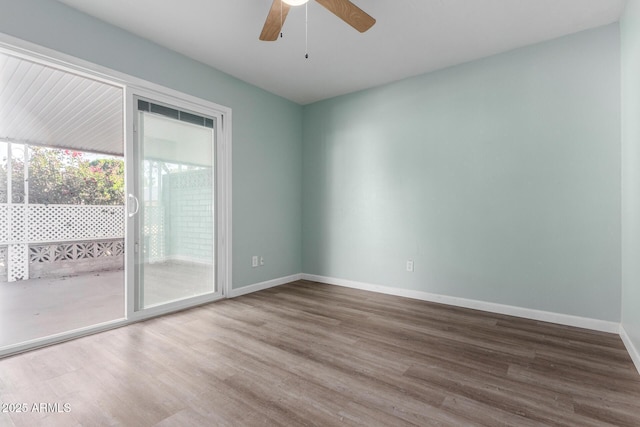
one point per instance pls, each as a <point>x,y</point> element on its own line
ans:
<point>343,9</point>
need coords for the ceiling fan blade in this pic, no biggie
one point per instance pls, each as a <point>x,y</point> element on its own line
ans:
<point>349,13</point>
<point>275,19</point>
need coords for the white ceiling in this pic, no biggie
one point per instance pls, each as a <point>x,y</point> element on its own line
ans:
<point>410,37</point>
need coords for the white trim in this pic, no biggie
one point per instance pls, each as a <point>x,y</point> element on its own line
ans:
<point>72,64</point>
<point>14,349</point>
<point>631,349</point>
<point>174,306</point>
<point>225,199</point>
<point>52,58</point>
<point>129,187</point>
<point>264,285</point>
<point>527,313</point>
<point>222,177</point>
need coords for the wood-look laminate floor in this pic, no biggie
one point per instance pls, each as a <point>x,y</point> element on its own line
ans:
<point>312,354</point>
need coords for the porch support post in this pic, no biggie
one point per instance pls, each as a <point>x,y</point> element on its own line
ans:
<point>18,248</point>
<point>9,207</point>
<point>25,249</point>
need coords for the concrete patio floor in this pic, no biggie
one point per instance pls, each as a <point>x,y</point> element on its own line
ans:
<point>37,308</point>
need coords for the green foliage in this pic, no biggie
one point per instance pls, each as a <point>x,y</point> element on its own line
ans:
<point>67,177</point>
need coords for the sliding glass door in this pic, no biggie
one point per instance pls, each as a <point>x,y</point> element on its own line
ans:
<point>173,204</point>
<point>62,201</point>
<point>115,199</point>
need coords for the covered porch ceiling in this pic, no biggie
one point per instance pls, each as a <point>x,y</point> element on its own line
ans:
<point>42,105</point>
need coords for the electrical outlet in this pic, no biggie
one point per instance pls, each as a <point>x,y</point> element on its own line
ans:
<point>410,265</point>
<point>261,260</point>
<point>254,261</point>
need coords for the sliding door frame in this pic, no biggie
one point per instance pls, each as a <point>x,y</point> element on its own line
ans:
<point>222,194</point>
<point>134,85</point>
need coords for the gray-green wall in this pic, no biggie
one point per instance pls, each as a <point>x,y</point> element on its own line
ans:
<point>499,178</point>
<point>267,129</point>
<point>630,38</point>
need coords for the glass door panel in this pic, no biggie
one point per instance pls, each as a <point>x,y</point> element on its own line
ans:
<point>62,213</point>
<point>175,247</point>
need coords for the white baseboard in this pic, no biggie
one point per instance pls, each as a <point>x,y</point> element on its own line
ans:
<point>263,285</point>
<point>545,316</point>
<point>631,349</point>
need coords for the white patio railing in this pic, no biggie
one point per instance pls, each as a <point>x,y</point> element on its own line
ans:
<point>43,233</point>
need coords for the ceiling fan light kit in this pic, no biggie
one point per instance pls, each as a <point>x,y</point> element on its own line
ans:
<point>295,2</point>
<point>343,9</point>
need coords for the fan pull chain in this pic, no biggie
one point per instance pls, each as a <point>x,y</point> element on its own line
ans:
<point>306,30</point>
<point>281,23</point>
